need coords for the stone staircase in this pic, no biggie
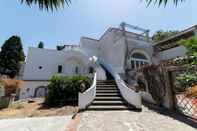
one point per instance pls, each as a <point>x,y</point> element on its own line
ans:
<point>108,97</point>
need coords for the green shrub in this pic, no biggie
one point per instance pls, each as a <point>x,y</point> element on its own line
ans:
<point>189,77</point>
<point>64,89</point>
<point>186,80</point>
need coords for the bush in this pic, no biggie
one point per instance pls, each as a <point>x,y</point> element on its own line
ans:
<point>64,89</point>
<point>189,78</point>
<point>186,80</point>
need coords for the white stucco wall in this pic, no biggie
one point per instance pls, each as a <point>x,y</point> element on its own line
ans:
<point>113,53</point>
<point>28,89</point>
<point>90,46</point>
<point>50,59</point>
<point>101,74</point>
<point>112,49</point>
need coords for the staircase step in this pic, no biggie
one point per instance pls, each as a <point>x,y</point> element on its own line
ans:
<point>107,88</point>
<point>107,91</point>
<point>108,97</point>
<point>107,94</point>
<point>106,85</point>
<point>101,87</point>
<point>105,80</point>
<point>99,103</point>
<point>100,108</point>
<point>115,98</point>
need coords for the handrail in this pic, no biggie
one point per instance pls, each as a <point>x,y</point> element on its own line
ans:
<point>88,96</point>
<point>92,86</point>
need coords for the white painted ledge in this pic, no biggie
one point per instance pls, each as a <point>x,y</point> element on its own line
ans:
<point>88,96</point>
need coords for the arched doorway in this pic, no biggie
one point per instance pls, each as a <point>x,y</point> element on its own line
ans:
<point>40,91</point>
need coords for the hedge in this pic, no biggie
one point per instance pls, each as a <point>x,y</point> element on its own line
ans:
<point>64,89</point>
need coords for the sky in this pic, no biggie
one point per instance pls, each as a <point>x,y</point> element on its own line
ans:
<point>88,18</point>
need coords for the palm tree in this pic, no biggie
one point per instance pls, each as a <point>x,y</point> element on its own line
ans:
<point>160,2</point>
<point>47,4</point>
<point>56,4</point>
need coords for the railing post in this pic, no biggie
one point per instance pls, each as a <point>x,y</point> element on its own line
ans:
<point>171,81</point>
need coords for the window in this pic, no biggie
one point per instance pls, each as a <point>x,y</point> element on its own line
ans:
<point>139,56</point>
<point>132,64</point>
<point>76,70</point>
<point>40,67</point>
<point>138,60</point>
<point>59,68</point>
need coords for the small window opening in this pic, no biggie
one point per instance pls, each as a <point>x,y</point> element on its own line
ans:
<point>40,67</point>
<point>59,68</point>
<point>76,70</point>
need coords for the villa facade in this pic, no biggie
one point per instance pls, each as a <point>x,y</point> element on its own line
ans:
<point>92,55</point>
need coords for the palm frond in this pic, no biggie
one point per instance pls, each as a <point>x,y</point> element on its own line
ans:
<point>164,2</point>
<point>47,4</point>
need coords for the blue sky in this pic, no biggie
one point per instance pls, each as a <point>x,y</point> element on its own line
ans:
<point>88,18</point>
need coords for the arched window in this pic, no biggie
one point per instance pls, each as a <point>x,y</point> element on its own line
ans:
<point>137,60</point>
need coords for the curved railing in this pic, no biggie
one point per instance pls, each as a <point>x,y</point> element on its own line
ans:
<point>130,95</point>
<point>88,96</point>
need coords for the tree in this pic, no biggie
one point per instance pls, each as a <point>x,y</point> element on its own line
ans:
<point>191,46</point>
<point>161,35</point>
<point>189,77</point>
<point>41,45</point>
<point>10,56</point>
<point>56,4</point>
<point>164,2</point>
<point>47,4</point>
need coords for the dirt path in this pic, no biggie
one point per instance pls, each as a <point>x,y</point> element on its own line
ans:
<point>147,120</point>
<point>35,109</point>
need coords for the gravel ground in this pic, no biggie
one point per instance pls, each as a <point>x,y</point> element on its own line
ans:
<point>57,123</point>
<point>147,120</point>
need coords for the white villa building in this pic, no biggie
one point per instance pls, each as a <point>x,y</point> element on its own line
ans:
<point>103,56</point>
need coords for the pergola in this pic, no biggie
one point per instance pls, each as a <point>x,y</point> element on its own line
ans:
<point>172,41</point>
